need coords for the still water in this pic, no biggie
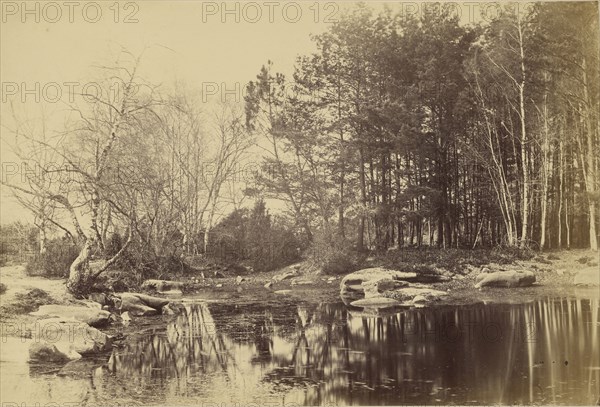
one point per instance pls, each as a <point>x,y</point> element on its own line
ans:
<point>542,352</point>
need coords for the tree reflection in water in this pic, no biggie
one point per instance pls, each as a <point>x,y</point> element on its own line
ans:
<point>540,352</point>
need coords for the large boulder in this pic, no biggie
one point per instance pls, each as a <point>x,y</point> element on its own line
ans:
<point>141,304</point>
<point>589,276</point>
<point>60,339</point>
<point>506,279</point>
<point>372,282</point>
<point>92,316</point>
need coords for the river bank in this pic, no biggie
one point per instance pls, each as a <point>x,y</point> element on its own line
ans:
<point>291,335</point>
<point>555,272</point>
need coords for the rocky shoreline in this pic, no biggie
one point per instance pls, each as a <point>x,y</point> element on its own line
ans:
<point>75,329</point>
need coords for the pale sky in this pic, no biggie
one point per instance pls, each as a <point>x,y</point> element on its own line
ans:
<point>211,46</point>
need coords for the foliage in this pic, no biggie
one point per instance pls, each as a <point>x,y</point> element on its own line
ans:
<point>55,261</point>
<point>333,254</point>
<point>114,244</point>
<point>420,130</point>
<point>432,261</point>
<point>16,240</point>
<point>255,238</point>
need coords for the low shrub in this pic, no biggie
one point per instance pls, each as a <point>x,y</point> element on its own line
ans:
<point>254,238</point>
<point>333,254</point>
<point>55,262</point>
<point>507,255</point>
<point>114,244</point>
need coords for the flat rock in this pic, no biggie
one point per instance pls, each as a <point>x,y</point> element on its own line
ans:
<point>506,279</point>
<point>589,276</point>
<point>372,281</point>
<point>421,292</point>
<point>375,287</point>
<point>92,316</point>
<point>375,302</point>
<point>298,281</point>
<point>282,292</point>
<point>62,339</point>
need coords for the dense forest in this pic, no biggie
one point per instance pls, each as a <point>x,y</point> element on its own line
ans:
<point>399,130</point>
<point>411,130</point>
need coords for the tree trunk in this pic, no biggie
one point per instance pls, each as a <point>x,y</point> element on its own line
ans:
<point>590,179</point>
<point>560,190</point>
<point>79,272</point>
<point>546,170</point>
<point>43,239</point>
<point>524,156</point>
<point>363,193</point>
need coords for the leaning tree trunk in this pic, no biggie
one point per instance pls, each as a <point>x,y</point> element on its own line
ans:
<point>79,272</point>
<point>81,276</point>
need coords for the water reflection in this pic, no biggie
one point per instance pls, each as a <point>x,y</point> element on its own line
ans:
<point>542,352</point>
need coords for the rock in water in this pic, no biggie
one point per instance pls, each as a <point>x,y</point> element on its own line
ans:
<point>506,279</point>
<point>60,339</point>
<point>168,310</point>
<point>372,281</point>
<point>141,304</point>
<point>419,299</point>
<point>48,352</point>
<point>164,285</point>
<point>375,302</point>
<point>91,316</point>
<point>375,287</point>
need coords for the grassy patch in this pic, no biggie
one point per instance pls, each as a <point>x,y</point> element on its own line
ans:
<point>25,303</point>
<point>430,260</point>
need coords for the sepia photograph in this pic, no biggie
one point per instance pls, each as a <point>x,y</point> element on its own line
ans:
<point>299,203</point>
